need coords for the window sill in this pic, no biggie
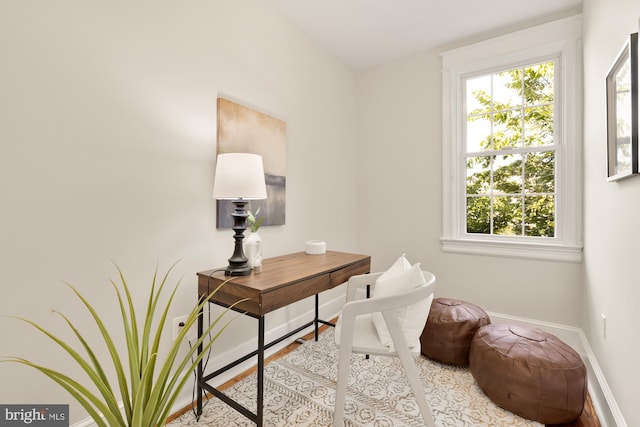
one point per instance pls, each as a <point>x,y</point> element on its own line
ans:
<point>534,251</point>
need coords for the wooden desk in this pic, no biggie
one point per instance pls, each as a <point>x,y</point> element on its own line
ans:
<point>284,280</point>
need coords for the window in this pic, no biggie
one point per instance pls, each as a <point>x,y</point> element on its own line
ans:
<point>511,141</point>
<point>510,152</point>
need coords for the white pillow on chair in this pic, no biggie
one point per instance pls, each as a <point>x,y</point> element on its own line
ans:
<point>399,278</point>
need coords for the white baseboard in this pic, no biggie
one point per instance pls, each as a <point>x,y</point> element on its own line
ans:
<point>87,422</point>
<point>604,403</point>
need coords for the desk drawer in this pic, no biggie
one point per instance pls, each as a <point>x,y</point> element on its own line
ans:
<point>290,294</point>
<point>338,277</point>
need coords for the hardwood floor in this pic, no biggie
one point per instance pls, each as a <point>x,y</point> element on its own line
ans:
<point>587,419</point>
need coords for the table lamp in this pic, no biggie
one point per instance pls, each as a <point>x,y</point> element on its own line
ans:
<point>239,177</point>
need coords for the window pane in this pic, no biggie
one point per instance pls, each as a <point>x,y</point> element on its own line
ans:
<point>478,211</point>
<point>478,95</point>
<point>507,89</point>
<point>478,175</point>
<point>507,174</point>
<point>507,216</point>
<point>539,84</point>
<point>478,134</point>
<point>507,129</point>
<point>538,126</point>
<point>540,216</point>
<point>539,172</point>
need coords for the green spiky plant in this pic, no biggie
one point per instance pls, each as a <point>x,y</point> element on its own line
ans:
<point>151,386</point>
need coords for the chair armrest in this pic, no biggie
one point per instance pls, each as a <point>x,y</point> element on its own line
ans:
<point>359,281</point>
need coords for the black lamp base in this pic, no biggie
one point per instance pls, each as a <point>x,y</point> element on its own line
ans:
<point>237,272</point>
<point>238,263</point>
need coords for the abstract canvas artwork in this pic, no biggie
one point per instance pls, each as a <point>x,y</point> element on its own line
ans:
<point>244,130</point>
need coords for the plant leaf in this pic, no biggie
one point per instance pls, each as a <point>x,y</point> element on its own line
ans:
<point>88,400</point>
<point>96,378</point>
<point>177,381</point>
<point>113,352</point>
<point>105,388</point>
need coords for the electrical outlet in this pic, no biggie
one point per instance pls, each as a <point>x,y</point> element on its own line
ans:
<point>604,326</point>
<point>179,323</point>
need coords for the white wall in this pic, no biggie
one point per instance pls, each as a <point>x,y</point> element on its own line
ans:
<point>611,280</point>
<point>107,130</point>
<point>400,200</point>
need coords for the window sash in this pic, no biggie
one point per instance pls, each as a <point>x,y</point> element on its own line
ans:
<point>520,149</point>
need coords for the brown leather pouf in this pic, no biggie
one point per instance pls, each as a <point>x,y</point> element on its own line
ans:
<point>529,372</point>
<point>450,327</point>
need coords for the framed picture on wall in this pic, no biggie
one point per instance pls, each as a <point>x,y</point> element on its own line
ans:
<point>622,112</point>
<point>242,129</point>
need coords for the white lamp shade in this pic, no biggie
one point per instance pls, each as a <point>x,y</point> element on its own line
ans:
<point>239,176</point>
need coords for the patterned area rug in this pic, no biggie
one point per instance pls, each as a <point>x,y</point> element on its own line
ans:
<point>300,391</point>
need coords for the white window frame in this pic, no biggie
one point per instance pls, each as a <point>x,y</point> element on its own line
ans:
<point>558,39</point>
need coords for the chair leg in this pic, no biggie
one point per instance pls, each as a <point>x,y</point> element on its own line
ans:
<point>406,359</point>
<point>342,378</point>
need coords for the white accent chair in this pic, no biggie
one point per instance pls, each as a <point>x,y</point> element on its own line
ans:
<point>355,333</point>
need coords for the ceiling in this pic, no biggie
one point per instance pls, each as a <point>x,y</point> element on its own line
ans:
<point>366,33</point>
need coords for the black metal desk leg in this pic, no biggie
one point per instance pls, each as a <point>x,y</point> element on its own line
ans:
<point>260,406</point>
<point>315,320</point>
<point>199,374</point>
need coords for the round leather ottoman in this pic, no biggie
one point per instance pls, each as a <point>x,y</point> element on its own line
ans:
<point>529,372</point>
<point>449,329</point>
